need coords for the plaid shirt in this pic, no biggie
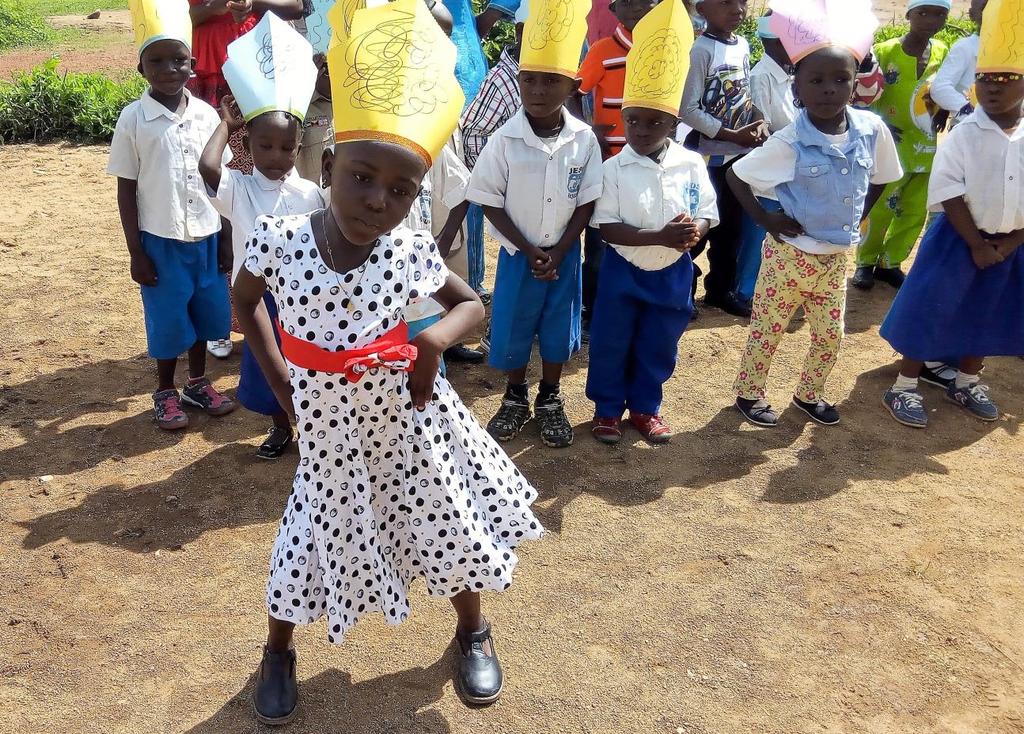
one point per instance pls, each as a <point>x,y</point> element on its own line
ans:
<point>495,104</point>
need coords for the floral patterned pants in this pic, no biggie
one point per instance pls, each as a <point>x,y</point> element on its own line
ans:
<point>790,278</point>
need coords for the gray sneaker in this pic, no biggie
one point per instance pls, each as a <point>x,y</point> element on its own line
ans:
<point>907,407</point>
<point>974,399</point>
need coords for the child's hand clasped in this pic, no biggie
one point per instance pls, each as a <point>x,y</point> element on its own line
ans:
<point>230,114</point>
<point>989,252</point>
<point>540,261</point>
<point>682,233</point>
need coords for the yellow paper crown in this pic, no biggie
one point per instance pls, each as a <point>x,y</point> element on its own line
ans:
<point>393,79</point>
<point>160,20</point>
<point>1002,38</point>
<point>657,65</point>
<point>553,36</point>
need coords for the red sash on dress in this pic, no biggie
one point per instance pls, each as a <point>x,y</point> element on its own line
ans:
<point>392,351</point>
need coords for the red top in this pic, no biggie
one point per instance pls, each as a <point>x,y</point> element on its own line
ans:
<point>210,48</point>
<point>603,72</point>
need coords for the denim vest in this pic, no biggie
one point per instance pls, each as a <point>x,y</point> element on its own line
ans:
<point>827,195</point>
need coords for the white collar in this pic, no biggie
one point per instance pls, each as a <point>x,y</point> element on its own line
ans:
<point>982,120</point>
<point>267,184</point>
<point>774,70</point>
<point>630,157</point>
<point>151,109</point>
<point>519,127</point>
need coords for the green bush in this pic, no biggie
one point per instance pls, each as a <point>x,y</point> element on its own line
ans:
<point>21,25</point>
<point>42,105</point>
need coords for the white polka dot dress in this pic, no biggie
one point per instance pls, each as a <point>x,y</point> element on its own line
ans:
<point>383,493</point>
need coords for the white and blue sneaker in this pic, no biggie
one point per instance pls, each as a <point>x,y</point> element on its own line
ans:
<point>906,406</point>
<point>974,399</point>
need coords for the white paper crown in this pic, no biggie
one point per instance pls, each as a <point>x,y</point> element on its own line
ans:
<point>271,68</point>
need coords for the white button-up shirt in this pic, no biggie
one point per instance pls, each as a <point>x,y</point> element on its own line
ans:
<point>648,195</point>
<point>538,182</point>
<point>443,189</point>
<point>985,165</point>
<point>955,77</point>
<point>241,198</point>
<point>771,91</point>
<point>160,150</point>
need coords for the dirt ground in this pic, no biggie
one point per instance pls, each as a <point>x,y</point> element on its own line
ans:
<point>862,578</point>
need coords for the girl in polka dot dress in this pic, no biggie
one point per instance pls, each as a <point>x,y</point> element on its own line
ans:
<point>396,478</point>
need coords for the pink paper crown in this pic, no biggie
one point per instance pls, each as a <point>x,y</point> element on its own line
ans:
<point>805,26</point>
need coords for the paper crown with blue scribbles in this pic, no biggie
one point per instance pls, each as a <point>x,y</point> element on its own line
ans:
<point>393,79</point>
<point>271,68</point>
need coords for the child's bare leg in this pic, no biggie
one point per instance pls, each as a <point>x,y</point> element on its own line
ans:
<point>911,368</point>
<point>467,607</point>
<point>479,678</point>
<point>282,421</point>
<point>971,365</point>
<point>277,690</point>
<point>165,373</point>
<point>517,376</point>
<point>279,634</point>
<point>551,372</point>
<point>197,360</point>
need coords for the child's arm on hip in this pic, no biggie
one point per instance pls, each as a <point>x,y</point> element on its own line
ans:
<point>778,224</point>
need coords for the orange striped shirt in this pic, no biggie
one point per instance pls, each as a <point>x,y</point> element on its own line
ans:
<point>604,73</point>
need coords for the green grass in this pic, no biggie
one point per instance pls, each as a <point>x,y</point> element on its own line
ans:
<point>72,7</point>
<point>22,26</point>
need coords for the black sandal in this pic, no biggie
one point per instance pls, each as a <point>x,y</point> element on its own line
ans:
<point>273,447</point>
<point>478,679</point>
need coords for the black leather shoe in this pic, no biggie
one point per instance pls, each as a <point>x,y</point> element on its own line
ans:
<point>730,303</point>
<point>892,276</point>
<point>864,278</point>
<point>479,679</point>
<point>462,353</point>
<point>277,692</point>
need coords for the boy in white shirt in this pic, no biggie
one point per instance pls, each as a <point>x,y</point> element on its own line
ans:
<point>169,226</point>
<point>657,203</point>
<point>272,110</point>
<point>440,210</point>
<point>537,180</point>
<point>953,86</point>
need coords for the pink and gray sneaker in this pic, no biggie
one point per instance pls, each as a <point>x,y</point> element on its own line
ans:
<point>167,407</point>
<point>200,393</point>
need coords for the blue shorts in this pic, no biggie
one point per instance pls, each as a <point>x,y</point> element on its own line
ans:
<point>190,301</point>
<point>525,307</point>
<point>416,327</point>
<point>254,391</point>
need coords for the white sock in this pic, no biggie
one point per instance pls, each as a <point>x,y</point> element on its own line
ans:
<point>942,370</point>
<point>905,384</point>
<point>964,380</point>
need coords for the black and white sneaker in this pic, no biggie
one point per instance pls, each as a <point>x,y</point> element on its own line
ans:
<point>555,429</point>
<point>942,376</point>
<point>513,414</point>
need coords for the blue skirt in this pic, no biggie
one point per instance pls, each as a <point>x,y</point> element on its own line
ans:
<point>253,389</point>
<point>948,308</point>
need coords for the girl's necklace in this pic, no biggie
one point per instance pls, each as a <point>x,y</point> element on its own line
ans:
<point>350,305</point>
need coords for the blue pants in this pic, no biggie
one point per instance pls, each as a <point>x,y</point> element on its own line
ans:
<point>421,325</point>
<point>475,246</point>
<point>253,389</point>
<point>748,262</point>
<point>639,317</point>
<point>525,307</point>
<point>190,301</point>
